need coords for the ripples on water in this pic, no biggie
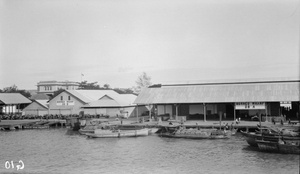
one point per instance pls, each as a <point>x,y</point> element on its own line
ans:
<point>62,151</point>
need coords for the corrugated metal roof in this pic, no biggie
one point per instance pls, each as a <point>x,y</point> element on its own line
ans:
<point>37,105</point>
<point>120,100</point>
<point>91,95</point>
<point>44,103</point>
<point>221,93</point>
<point>13,98</point>
<point>40,96</point>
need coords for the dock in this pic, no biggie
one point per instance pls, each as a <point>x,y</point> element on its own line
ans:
<point>31,124</point>
<point>53,123</point>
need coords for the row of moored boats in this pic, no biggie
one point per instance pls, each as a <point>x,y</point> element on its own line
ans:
<point>270,139</point>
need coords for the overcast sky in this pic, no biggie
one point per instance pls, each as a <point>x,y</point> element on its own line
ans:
<point>173,41</point>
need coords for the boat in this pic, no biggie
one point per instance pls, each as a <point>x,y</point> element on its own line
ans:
<point>99,133</point>
<point>73,123</point>
<point>194,133</point>
<point>152,130</point>
<point>90,127</point>
<point>87,129</point>
<point>252,137</point>
<point>279,146</point>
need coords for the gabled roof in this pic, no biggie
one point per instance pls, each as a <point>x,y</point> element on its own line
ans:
<point>40,96</point>
<point>43,103</point>
<point>37,105</point>
<point>120,100</point>
<point>13,98</point>
<point>221,93</point>
<point>87,96</point>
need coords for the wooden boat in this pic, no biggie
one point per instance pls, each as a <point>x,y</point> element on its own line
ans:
<point>252,137</point>
<point>152,130</point>
<point>100,133</point>
<point>73,123</point>
<point>181,132</point>
<point>279,146</point>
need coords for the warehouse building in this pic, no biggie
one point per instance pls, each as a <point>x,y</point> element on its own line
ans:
<point>232,100</point>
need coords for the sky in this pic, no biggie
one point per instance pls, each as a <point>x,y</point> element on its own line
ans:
<point>173,41</point>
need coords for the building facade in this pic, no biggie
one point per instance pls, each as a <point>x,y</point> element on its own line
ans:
<point>13,103</point>
<point>48,87</point>
<point>92,102</point>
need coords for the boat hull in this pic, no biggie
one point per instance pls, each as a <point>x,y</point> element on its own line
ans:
<point>252,138</point>
<point>194,136</point>
<point>110,134</point>
<point>199,135</point>
<point>276,147</point>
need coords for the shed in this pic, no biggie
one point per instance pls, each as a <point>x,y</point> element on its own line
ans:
<point>13,102</point>
<point>37,107</point>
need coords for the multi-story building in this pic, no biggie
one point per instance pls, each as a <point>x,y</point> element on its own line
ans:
<point>48,87</point>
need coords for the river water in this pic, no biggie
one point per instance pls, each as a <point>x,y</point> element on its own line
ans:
<point>62,151</point>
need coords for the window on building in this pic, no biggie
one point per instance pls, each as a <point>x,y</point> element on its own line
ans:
<point>69,97</point>
<point>61,97</point>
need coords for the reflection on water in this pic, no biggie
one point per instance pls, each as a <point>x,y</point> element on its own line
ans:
<point>62,151</point>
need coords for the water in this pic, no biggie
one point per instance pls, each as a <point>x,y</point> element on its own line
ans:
<point>62,151</point>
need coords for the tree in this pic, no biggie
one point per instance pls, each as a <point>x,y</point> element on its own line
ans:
<point>86,85</point>
<point>143,81</point>
<point>25,93</point>
<point>106,86</point>
<point>124,90</point>
<point>11,89</point>
<point>56,93</point>
<point>14,89</point>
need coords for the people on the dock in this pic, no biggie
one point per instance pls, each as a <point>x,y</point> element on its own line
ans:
<point>226,126</point>
<point>232,126</point>
<point>280,141</point>
<point>273,120</point>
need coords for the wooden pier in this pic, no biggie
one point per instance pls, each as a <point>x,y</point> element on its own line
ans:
<point>31,124</point>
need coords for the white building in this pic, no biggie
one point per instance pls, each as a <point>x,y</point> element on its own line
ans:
<point>93,102</point>
<point>48,87</point>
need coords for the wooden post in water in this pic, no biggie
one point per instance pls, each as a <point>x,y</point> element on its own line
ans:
<point>220,115</point>
<point>176,111</point>
<point>150,109</point>
<point>266,110</point>
<point>18,105</point>
<point>260,123</point>
<point>204,112</point>
<point>234,114</point>
<point>137,113</point>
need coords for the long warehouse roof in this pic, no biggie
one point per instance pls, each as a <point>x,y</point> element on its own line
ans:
<point>269,91</point>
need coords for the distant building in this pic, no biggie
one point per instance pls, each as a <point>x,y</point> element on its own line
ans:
<point>48,87</point>
<point>11,103</point>
<point>94,102</point>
